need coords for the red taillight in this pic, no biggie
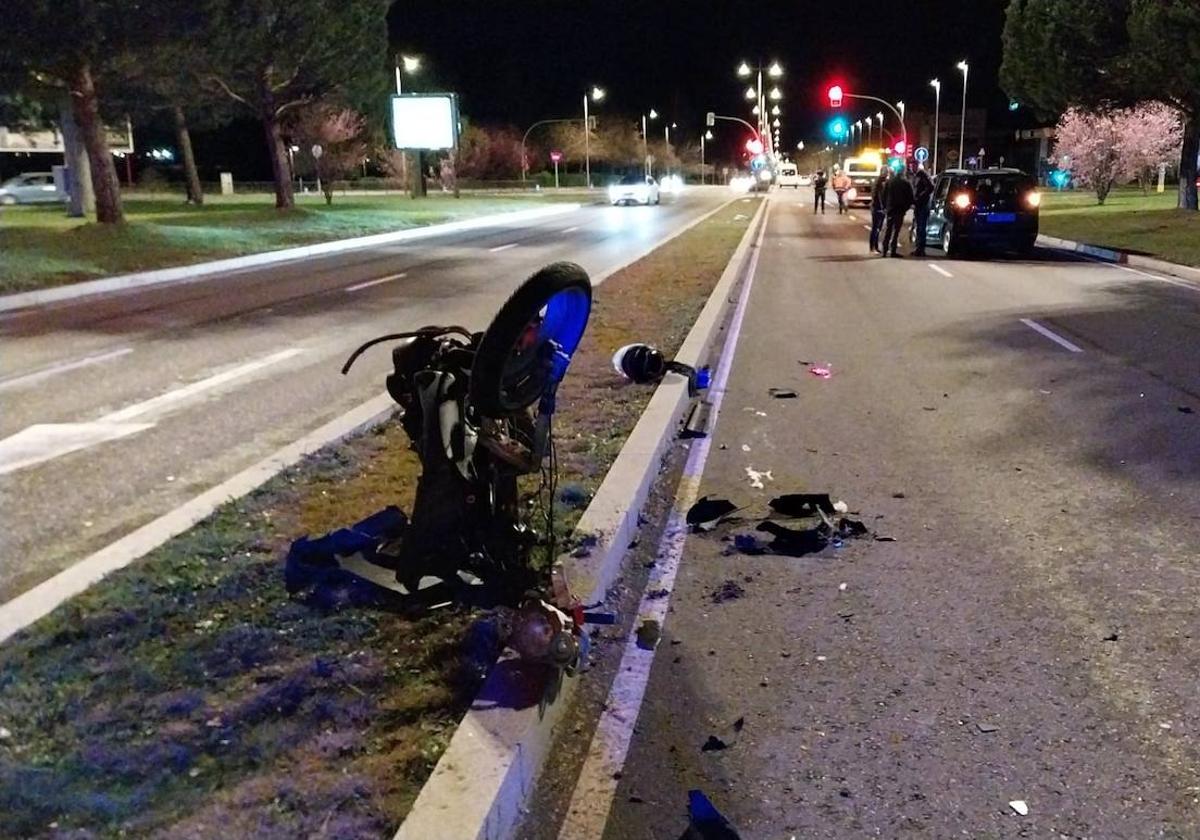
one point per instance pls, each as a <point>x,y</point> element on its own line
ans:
<point>962,201</point>
<point>1033,198</point>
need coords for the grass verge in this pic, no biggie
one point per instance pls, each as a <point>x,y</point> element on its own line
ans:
<point>1128,221</point>
<point>40,246</point>
<point>187,696</point>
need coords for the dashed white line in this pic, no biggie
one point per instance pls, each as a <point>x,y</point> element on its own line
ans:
<point>358,286</point>
<point>61,367</point>
<point>853,218</point>
<point>866,227</point>
<point>939,270</point>
<point>504,247</point>
<point>1050,334</point>
<point>571,229</point>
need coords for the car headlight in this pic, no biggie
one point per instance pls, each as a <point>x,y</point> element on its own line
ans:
<point>962,201</point>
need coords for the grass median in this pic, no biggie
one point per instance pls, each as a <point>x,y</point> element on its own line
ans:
<point>1128,220</point>
<point>40,246</point>
<point>189,696</point>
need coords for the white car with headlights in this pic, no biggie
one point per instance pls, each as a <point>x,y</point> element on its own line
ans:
<point>787,176</point>
<point>634,189</point>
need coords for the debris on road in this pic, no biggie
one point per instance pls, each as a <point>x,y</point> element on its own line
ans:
<point>705,822</point>
<point>802,504</point>
<point>756,477</point>
<point>727,591</point>
<point>885,539</point>
<point>841,587</point>
<point>782,393</point>
<point>1112,637</point>
<point>987,728</point>
<point>713,744</point>
<point>707,513</point>
<point>648,634</point>
<point>745,448</point>
<point>841,507</point>
<point>822,371</point>
<point>1186,409</point>
<point>655,594</point>
<point>1020,807</point>
<point>747,544</point>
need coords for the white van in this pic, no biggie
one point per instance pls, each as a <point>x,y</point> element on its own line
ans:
<point>787,176</point>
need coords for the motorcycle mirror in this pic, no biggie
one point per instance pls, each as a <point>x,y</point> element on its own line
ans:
<point>644,364</point>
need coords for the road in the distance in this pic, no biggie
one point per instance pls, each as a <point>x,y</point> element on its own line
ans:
<point>1028,433</point>
<point>184,385</point>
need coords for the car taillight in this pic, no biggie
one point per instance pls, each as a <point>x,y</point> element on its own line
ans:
<point>962,201</point>
<point>1033,198</point>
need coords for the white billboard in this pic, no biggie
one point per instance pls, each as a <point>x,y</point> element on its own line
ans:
<point>120,139</point>
<point>425,121</point>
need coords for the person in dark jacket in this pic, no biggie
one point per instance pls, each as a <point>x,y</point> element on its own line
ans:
<point>899,198</point>
<point>922,194</point>
<point>878,197</point>
<point>819,184</point>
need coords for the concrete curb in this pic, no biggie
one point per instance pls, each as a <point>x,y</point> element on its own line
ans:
<point>28,607</point>
<point>1111,255</point>
<point>493,760</point>
<point>199,271</point>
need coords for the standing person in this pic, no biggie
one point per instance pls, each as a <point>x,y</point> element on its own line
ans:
<point>841,183</point>
<point>819,183</point>
<point>922,193</point>
<point>899,199</point>
<point>878,207</point>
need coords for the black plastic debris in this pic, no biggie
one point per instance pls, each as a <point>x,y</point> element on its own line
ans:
<point>713,744</point>
<point>705,822</point>
<point>655,594</point>
<point>782,393</point>
<point>707,513</point>
<point>648,634</point>
<point>748,544</point>
<point>739,724</point>
<point>885,539</point>
<point>727,591</point>
<point>796,542</point>
<point>802,504</point>
<point>987,728</point>
<point>1112,637</point>
<point>1186,409</point>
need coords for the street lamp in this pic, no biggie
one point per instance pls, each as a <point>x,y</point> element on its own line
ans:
<point>903,131</point>
<point>743,69</point>
<point>937,104</point>
<point>756,111</point>
<point>879,116</point>
<point>962,126</point>
<point>596,94</point>
<point>751,93</point>
<point>776,123</point>
<point>708,135</point>
<point>755,91</point>
<point>800,146</point>
<point>411,65</point>
<point>774,71</point>
<point>868,121</point>
<point>645,149</point>
<point>775,112</point>
<point>776,93</point>
<point>858,125</point>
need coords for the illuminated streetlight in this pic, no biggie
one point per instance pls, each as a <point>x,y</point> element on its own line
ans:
<point>743,69</point>
<point>776,123</point>
<point>774,71</point>
<point>962,128</point>
<point>775,112</point>
<point>596,94</point>
<point>754,110</point>
<point>776,93</point>
<point>800,146</point>
<point>751,93</point>
<point>869,121</point>
<point>411,63</point>
<point>937,106</point>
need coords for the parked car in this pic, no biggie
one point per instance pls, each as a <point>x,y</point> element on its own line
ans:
<point>984,208</point>
<point>787,176</point>
<point>806,180</point>
<point>30,188</point>
<point>634,189</point>
<point>863,171</point>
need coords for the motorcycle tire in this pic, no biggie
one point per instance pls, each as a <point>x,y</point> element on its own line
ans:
<point>507,378</point>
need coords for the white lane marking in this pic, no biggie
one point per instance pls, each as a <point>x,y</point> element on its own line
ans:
<point>597,783</point>
<point>358,286</point>
<point>1172,280</point>
<point>46,441</point>
<point>504,247</point>
<point>1050,334</point>
<point>570,229</point>
<point>853,218</point>
<point>939,269</point>
<point>866,227</point>
<point>168,399</point>
<point>61,367</point>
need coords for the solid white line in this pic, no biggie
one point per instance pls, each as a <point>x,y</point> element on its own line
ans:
<point>939,269</point>
<point>504,247</point>
<point>28,607</point>
<point>371,283</point>
<point>1173,281</point>
<point>61,367</point>
<point>1050,334</point>
<point>570,229</point>
<point>592,798</point>
<point>171,397</point>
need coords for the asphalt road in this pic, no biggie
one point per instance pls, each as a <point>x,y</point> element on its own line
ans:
<point>1030,633</point>
<point>202,379</point>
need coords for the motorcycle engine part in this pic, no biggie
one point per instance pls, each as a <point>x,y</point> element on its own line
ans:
<point>529,343</point>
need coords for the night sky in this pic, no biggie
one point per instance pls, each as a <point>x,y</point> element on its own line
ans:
<point>519,61</point>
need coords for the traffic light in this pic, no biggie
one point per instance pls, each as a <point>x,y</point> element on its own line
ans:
<point>901,147</point>
<point>754,146</point>
<point>837,128</point>
<point>835,96</point>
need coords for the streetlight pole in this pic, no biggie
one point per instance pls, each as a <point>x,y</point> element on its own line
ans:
<point>937,105</point>
<point>962,126</point>
<point>596,94</point>
<point>903,129</point>
<point>703,173</point>
<point>645,146</point>
<point>869,121</point>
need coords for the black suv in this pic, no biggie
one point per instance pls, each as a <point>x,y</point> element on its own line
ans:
<point>984,208</point>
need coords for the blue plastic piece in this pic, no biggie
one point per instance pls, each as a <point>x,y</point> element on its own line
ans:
<point>703,378</point>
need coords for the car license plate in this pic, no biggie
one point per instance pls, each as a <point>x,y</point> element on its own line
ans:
<point>1002,217</point>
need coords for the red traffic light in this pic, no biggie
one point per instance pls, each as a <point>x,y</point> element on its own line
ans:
<point>835,96</point>
<point>901,147</point>
<point>754,146</point>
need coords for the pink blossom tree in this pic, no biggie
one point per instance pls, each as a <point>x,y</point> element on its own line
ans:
<point>339,133</point>
<point>1088,144</point>
<point>1151,134</point>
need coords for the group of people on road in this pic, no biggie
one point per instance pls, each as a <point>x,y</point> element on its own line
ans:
<point>891,198</point>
